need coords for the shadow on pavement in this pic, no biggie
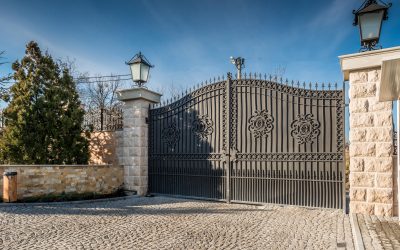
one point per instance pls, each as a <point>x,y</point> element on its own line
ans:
<point>158,205</point>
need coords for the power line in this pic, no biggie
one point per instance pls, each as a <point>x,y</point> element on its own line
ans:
<point>82,79</point>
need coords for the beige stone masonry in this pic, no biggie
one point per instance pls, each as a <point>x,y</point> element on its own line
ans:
<point>371,134</point>
<point>39,180</point>
<point>371,146</point>
<point>132,147</point>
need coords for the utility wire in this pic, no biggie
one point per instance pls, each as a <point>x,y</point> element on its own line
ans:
<point>82,79</point>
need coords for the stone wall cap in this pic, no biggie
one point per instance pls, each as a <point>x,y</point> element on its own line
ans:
<point>389,89</point>
<point>366,60</point>
<point>137,94</point>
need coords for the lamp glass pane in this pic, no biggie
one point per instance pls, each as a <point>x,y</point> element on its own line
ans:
<point>135,70</point>
<point>144,72</point>
<point>370,25</point>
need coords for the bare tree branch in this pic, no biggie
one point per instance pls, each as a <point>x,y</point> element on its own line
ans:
<point>99,92</point>
<point>3,79</point>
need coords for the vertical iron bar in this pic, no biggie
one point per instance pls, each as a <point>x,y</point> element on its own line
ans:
<point>228,121</point>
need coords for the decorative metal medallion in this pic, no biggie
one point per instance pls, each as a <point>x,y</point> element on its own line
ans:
<point>170,135</point>
<point>305,129</point>
<point>261,123</point>
<point>202,127</point>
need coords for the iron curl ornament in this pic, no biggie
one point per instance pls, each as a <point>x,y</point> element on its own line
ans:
<point>202,127</point>
<point>261,123</point>
<point>171,134</point>
<point>305,128</point>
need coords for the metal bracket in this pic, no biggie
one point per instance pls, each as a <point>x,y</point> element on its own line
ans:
<point>229,157</point>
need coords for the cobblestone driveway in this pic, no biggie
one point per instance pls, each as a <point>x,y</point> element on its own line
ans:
<point>170,223</point>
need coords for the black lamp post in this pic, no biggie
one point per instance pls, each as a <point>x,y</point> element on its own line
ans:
<point>140,68</point>
<point>369,18</point>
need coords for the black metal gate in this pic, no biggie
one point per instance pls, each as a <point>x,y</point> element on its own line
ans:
<point>252,141</point>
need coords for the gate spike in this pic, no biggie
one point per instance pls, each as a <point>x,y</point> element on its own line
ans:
<point>287,82</point>
<point>209,81</point>
<point>329,86</point>
<point>260,76</point>
<point>270,77</point>
<point>335,85</point>
<point>304,85</point>
<point>310,86</point>
<point>316,85</point>
<point>292,83</point>
<point>298,84</point>
<point>223,77</point>
<point>265,76</point>
<point>276,78</point>
<point>280,79</point>
<point>218,78</point>
<point>245,75</point>
<point>323,86</point>
<point>214,80</point>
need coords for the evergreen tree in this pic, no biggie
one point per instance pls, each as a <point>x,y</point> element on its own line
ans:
<point>44,116</point>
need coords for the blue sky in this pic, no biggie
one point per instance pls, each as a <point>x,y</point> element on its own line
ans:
<point>191,41</point>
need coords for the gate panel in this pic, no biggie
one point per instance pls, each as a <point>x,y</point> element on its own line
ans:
<point>286,144</point>
<point>283,144</point>
<point>186,142</point>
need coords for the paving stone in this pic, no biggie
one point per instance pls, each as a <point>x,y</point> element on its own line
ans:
<point>170,223</point>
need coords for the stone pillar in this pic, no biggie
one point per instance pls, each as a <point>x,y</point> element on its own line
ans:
<point>133,141</point>
<point>371,134</point>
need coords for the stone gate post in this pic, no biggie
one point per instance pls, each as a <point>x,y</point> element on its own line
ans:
<point>371,134</point>
<point>133,142</point>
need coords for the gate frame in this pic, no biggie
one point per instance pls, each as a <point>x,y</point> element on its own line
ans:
<point>228,151</point>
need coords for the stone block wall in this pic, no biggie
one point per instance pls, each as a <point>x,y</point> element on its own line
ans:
<point>38,180</point>
<point>102,147</point>
<point>132,147</point>
<point>371,146</point>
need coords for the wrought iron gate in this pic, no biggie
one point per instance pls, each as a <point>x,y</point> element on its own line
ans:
<point>252,141</point>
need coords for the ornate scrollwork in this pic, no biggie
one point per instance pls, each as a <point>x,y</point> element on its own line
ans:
<point>305,129</point>
<point>202,126</point>
<point>260,123</point>
<point>171,134</point>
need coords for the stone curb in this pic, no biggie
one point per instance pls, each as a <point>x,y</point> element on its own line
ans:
<point>61,203</point>
<point>355,229</point>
